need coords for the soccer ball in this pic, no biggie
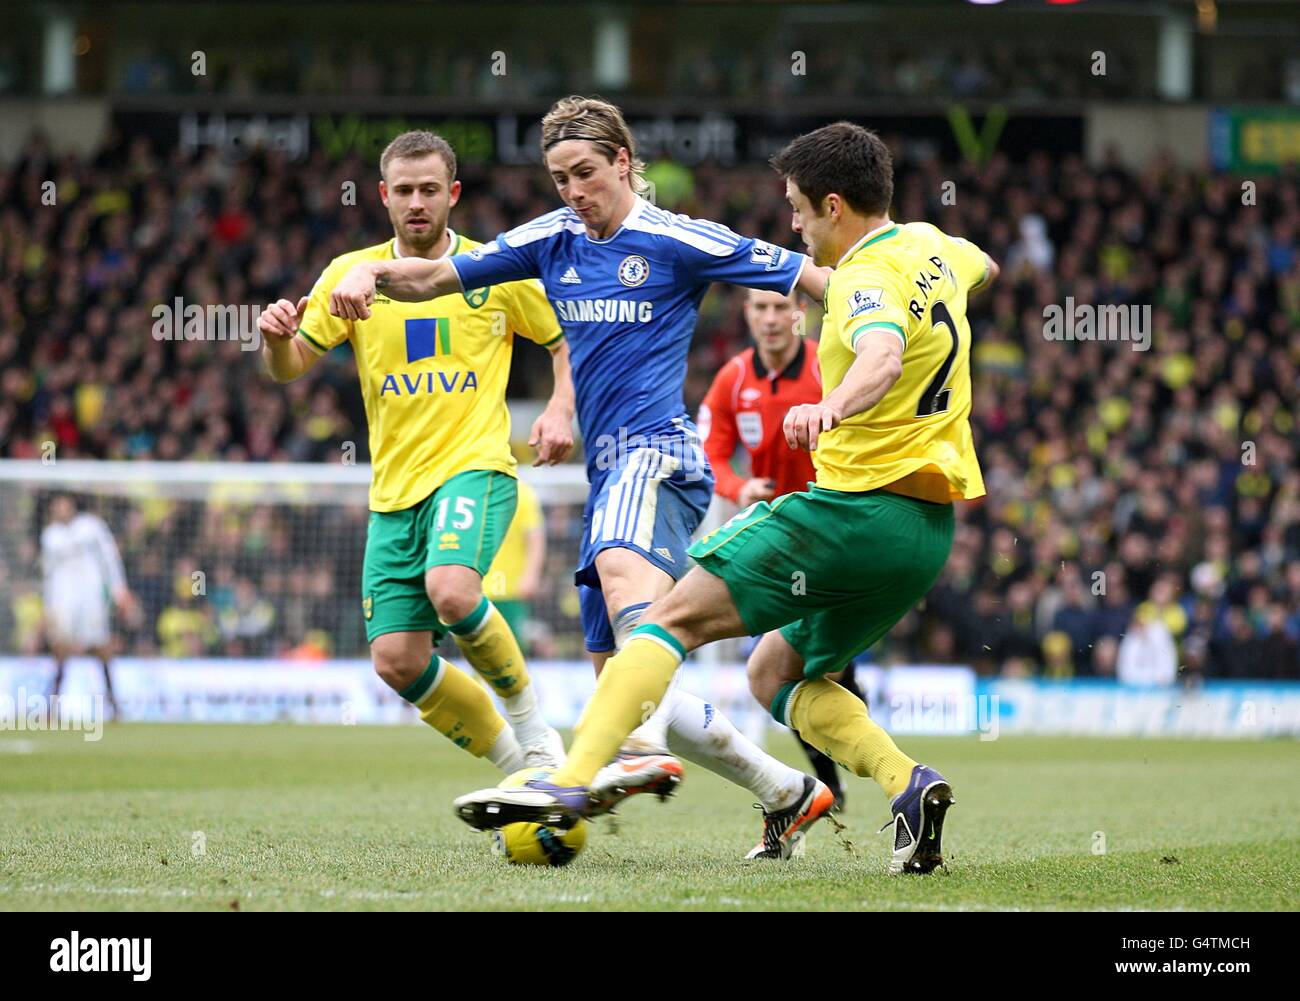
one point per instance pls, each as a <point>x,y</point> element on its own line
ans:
<point>536,844</point>
<point>533,844</point>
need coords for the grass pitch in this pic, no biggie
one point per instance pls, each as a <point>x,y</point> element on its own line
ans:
<point>359,818</point>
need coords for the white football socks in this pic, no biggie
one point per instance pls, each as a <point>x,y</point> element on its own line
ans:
<point>700,733</point>
<point>505,752</point>
<point>526,719</point>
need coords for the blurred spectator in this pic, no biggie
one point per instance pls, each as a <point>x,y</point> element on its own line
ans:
<point>1033,253</point>
<point>314,646</point>
<point>1147,655</point>
<point>1076,620</point>
<point>1058,656</point>
<point>185,627</point>
<point>1116,609</point>
<point>247,623</point>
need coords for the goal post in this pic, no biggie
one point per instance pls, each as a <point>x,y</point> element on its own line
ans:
<point>217,543</point>
<point>241,568</point>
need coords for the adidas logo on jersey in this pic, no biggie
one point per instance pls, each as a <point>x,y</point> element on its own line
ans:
<point>570,277</point>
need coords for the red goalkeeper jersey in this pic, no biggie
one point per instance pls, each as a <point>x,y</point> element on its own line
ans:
<point>747,404</point>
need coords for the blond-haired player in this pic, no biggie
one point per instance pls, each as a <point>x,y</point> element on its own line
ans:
<point>433,377</point>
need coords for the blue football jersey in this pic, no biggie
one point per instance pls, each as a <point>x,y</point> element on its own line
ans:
<point>628,304</point>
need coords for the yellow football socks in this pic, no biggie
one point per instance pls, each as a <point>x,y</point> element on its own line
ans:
<point>631,685</point>
<point>457,706</point>
<point>484,637</point>
<point>835,721</point>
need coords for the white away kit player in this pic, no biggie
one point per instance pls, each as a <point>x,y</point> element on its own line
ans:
<point>83,580</point>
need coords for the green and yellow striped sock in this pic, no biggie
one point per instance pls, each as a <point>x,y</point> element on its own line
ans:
<point>631,685</point>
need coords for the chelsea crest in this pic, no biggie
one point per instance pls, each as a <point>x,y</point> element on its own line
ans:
<point>634,270</point>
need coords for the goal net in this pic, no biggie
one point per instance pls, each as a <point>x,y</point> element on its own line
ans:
<point>243,573</point>
<point>246,560</point>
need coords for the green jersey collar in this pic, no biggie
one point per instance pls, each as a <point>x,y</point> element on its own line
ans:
<point>890,228</point>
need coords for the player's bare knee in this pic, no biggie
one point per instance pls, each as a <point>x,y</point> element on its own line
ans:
<point>664,613</point>
<point>677,616</point>
<point>453,605</point>
<point>764,682</point>
<point>619,594</point>
<point>398,665</point>
<point>772,665</point>
<point>454,596</point>
<point>692,616</point>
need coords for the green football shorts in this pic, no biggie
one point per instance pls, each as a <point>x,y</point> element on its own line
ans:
<point>461,523</point>
<point>834,571</point>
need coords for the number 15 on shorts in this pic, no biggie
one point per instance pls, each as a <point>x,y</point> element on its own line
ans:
<point>462,514</point>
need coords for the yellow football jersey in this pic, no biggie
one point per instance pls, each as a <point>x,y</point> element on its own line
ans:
<point>912,280</point>
<point>503,577</point>
<point>433,374</point>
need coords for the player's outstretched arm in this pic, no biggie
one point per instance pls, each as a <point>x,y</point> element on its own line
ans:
<point>412,279</point>
<point>869,378</point>
<point>284,353</point>
<point>812,281</point>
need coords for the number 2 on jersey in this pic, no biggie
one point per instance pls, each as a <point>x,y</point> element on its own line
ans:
<point>934,400</point>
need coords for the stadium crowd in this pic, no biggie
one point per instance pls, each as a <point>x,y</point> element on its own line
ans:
<point>1024,72</point>
<point>1134,496</point>
<point>713,57</point>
